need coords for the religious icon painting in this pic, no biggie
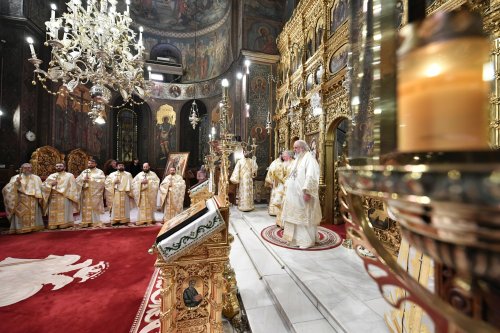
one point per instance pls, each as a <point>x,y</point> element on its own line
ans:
<point>192,294</point>
<point>177,161</point>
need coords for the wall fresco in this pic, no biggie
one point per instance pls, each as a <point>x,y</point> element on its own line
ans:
<point>269,9</point>
<point>261,37</point>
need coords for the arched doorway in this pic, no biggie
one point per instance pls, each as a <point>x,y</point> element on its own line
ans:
<point>131,132</point>
<point>195,140</point>
<point>336,136</point>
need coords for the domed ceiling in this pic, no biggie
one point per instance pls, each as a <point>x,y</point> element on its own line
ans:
<point>178,18</point>
<point>199,29</point>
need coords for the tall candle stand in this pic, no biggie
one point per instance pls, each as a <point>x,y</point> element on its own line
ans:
<point>447,204</point>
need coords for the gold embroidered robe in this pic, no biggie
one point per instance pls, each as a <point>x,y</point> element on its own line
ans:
<point>280,174</point>
<point>61,200</point>
<point>272,181</point>
<point>91,196</point>
<point>172,191</point>
<point>22,203</point>
<point>243,174</point>
<point>118,196</point>
<point>145,196</point>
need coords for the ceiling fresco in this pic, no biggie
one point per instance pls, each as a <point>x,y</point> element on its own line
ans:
<point>178,18</point>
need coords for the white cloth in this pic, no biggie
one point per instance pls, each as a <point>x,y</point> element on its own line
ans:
<point>301,218</point>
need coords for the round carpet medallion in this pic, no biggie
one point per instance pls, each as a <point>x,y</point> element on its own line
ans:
<point>328,239</point>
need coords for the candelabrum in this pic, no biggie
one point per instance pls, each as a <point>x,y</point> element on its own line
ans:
<point>94,46</point>
<point>446,203</point>
<point>221,149</point>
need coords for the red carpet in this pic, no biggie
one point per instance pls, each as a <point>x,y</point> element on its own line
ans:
<point>338,228</point>
<point>107,302</point>
<point>328,239</point>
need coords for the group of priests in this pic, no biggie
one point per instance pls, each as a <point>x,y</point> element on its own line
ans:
<point>60,196</point>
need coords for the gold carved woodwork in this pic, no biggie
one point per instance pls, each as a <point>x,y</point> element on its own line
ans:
<point>385,228</point>
<point>311,124</point>
<point>44,160</point>
<point>208,265</point>
<point>199,193</point>
<point>76,161</point>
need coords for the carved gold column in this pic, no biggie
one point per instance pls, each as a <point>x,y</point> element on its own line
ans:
<point>492,25</point>
<point>217,293</point>
<point>167,292</point>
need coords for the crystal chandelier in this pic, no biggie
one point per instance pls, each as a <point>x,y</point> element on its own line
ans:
<point>94,47</point>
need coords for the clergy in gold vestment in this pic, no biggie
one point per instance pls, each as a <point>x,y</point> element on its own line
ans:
<point>22,196</point>
<point>243,174</point>
<point>91,184</point>
<point>172,190</point>
<point>272,182</point>
<point>301,209</point>
<point>118,187</point>
<point>280,174</point>
<point>145,189</point>
<point>60,198</point>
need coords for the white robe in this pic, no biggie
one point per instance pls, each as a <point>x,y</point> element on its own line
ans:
<point>301,218</point>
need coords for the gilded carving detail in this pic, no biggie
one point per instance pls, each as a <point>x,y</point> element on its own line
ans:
<point>311,124</point>
<point>386,229</point>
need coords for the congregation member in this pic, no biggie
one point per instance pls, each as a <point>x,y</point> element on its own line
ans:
<point>172,190</point>
<point>244,172</point>
<point>135,167</point>
<point>22,198</point>
<point>91,185</point>
<point>118,186</point>
<point>145,190</point>
<point>301,212</point>
<point>60,198</point>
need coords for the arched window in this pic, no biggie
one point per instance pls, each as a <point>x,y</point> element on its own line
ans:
<point>126,135</point>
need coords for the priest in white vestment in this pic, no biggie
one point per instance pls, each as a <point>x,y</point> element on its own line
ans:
<point>172,191</point>
<point>60,197</point>
<point>119,194</point>
<point>301,208</point>
<point>243,174</point>
<point>145,189</point>
<point>22,197</point>
<point>272,181</point>
<point>91,185</point>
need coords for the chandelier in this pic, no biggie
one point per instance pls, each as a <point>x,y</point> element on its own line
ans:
<point>194,116</point>
<point>93,45</point>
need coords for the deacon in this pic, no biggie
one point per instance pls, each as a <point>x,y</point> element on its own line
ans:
<point>145,189</point>
<point>172,190</point>
<point>91,185</point>
<point>22,197</point>
<point>118,186</point>
<point>60,197</point>
<point>272,181</point>
<point>243,174</point>
<point>301,208</point>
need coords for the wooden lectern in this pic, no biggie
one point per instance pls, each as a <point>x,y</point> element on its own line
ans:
<point>193,251</point>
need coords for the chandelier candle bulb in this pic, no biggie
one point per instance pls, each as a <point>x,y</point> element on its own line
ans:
<point>442,93</point>
<point>32,48</point>
<point>127,12</point>
<point>53,8</point>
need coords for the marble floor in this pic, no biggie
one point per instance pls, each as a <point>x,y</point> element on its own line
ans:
<point>287,290</point>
